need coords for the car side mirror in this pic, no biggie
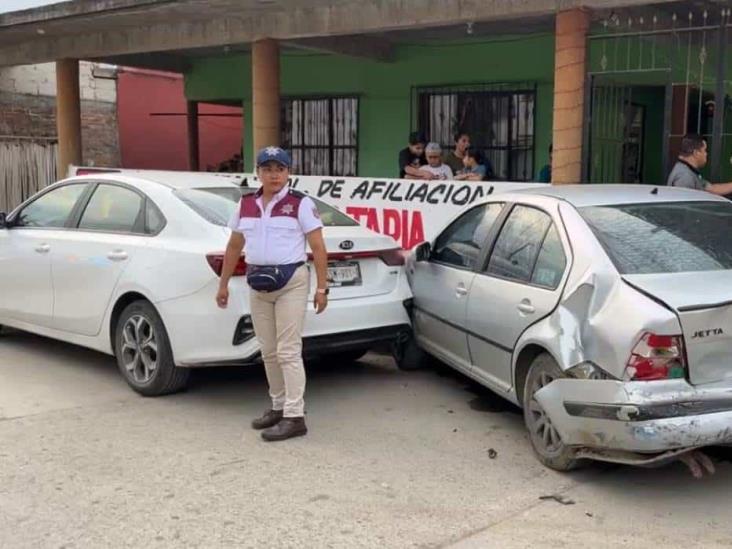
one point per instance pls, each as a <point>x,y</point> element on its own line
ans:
<point>423,251</point>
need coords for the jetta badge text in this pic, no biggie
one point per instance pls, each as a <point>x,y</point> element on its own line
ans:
<point>699,334</point>
<point>346,245</point>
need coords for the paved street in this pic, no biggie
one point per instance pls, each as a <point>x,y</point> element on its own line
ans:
<point>393,460</point>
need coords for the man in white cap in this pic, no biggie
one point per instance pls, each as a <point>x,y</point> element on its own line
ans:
<point>272,226</point>
<point>435,166</point>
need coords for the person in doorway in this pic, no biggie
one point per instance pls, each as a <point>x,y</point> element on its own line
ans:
<point>473,166</point>
<point>435,166</point>
<point>687,170</point>
<point>272,225</point>
<point>454,158</point>
<point>545,174</point>
<point>411,158</point>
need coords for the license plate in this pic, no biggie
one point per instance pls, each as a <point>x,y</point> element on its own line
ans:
<point>344,273</point>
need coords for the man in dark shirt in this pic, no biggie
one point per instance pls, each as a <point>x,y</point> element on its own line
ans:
<point>412,158</point>
<point>687,170</point>
<point>454,158</point>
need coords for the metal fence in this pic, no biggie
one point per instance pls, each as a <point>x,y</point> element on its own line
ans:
<point>322,134</point>
<point>26,167</point>
<point>499,117</point>
<point>677,55</point>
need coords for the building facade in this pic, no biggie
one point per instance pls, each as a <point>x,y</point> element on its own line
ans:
<point>611,85</point>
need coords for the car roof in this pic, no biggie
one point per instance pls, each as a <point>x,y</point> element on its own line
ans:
<point>170,179</point>
<point>607,194</point>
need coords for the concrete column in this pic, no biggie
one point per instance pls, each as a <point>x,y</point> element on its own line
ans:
<point>68,115</point>
<point>265,93</point>
<point>193,146</point>
<point>569,94</point>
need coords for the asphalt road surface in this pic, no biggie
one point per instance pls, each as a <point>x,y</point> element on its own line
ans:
<point>393,459</point>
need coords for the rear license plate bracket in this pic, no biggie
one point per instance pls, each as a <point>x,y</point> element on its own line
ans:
<point>344,273</point>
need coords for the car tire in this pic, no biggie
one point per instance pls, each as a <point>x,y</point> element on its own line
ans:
<point>545,439</point>
<point>408,355</point>
<point>143,352</point>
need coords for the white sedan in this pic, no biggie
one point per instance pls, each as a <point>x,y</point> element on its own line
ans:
<point>128,265</point>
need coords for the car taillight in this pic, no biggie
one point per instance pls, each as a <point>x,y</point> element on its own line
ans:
<point>657,357</point>
<point>216,261</point>
<point>392,257</point>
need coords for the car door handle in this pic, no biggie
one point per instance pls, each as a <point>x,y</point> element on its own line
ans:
<point>43,248</point>
<point>526,307</point>
<point>461,291</point>
<point>117,255</point>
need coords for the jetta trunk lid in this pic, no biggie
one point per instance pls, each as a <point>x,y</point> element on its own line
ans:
<point>703,303</point>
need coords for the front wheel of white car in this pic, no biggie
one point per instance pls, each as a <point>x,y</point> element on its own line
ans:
<point>143,352</point>
<point>544,437</point>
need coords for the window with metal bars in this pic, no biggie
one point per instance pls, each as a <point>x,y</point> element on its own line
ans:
<point>321,134</point>
<point>500,119</point>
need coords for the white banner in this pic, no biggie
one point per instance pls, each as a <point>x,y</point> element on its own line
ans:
<point>408,210</point>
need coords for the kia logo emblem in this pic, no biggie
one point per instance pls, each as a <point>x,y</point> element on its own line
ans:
<point>346,245</point>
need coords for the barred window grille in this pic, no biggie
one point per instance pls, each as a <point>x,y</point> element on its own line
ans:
<point>321,134</point>
<point>500,119</point>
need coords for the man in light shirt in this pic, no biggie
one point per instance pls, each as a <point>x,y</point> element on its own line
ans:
<point>274,224</point>
<point>435,166</point>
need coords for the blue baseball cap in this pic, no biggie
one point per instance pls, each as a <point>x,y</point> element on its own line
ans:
<point>273,154</point>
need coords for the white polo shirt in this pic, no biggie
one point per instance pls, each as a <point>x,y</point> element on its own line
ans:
<point>275,235</point>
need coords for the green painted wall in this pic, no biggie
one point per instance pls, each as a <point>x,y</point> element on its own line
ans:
<point>385,88</point>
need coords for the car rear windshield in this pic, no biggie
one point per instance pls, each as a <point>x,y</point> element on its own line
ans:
<point>670,237</point>
<point>217,204</point>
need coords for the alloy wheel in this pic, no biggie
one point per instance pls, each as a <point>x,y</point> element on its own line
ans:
<point>542,430</point>
<point>139,349</point>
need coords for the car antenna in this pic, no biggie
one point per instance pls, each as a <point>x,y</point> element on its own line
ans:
<point>655,190</point>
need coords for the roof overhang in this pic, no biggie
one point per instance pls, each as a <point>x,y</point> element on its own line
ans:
<point>168,29</point>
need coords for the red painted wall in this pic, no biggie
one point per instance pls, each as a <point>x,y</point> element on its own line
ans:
<point>160,142</point>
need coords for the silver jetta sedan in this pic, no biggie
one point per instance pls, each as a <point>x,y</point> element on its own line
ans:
<point>605,312</point>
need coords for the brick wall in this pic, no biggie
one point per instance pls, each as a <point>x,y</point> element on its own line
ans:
<point>28,109</point>
<point>41,80</point>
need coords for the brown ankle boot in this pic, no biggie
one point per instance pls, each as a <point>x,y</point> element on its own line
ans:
<point>288,427</point>
<point>270,418</point>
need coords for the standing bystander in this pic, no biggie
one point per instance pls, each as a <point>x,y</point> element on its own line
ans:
<point>435,167</point>
<point>274,224</point>
<point>411,158</point>
<point>687,170</point>
<point>454,158</point>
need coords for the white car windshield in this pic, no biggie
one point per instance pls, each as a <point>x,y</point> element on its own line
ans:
<point>670,237</point>
<point>217,204</point>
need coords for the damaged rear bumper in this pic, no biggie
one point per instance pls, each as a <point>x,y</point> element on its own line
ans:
<point>642,417</point>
